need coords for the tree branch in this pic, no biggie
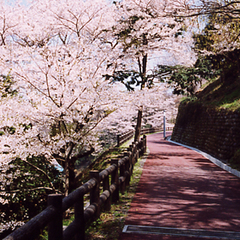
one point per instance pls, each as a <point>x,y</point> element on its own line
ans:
<point>31,189</point>
<point>40,170</point>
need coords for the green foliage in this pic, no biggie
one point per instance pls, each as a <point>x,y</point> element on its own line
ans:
<point>224,95</point>
<point>219,94</point>
<point>225,61</point>
<point>184,80</point>
<point>10,130</point>
<point>130,79</point>
<point>228,63</point>
<point>205,41</point>
<point>26,126</point>
<point>220,33</point>
<point>26,186</point>
<point>6,84</point>
<point>220,37</point>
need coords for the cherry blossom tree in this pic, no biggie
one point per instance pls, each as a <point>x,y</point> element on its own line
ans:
<point>147,29</point>
<point>57,52</point>
<point>57,61</point>
<point>152,101</point>
<point>54,55</point>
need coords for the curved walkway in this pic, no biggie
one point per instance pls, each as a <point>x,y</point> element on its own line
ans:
<point>182,195</point>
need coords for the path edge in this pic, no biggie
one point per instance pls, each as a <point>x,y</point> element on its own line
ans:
<point>214,160</point>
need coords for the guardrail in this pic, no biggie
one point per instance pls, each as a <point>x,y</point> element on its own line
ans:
<point>102,195</point>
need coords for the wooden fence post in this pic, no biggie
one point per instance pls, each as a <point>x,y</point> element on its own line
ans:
<point>114,179</point>
<point>132,158</point>
<point>127,166</point>
<point>144,143</point>
<point>118,140</point>
<point>142,146</point>
<point>122,174</point>
<point>131,165</point>
<point>107,205</point>
<point>79,218</point>
<point>55,227</point>
<point>138,145</point>
<point>95,192</point>
<point>138,126</point>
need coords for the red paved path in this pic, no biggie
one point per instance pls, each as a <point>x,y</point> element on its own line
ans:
<point>180,188</point>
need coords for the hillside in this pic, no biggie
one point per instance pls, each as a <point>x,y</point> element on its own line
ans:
<point>211,121</point>
<point>221,95</point>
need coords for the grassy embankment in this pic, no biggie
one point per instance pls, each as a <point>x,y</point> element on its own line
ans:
<point>220,95</point>
<point>110,223</point>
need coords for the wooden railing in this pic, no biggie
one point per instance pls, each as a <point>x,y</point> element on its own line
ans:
<point>154,129</point>
<point>122,138</point>
<point>102,195</point>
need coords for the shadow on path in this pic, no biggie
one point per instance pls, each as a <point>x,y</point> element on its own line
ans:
<point>180,188</point>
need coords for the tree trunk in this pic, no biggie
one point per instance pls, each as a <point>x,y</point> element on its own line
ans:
<point>138,126</point>
<point>144,71</point>
<point>144,64</point>
<point>72,181</point>
<point>70,177</point>
<point>66,169</point>
<point>68,166</point>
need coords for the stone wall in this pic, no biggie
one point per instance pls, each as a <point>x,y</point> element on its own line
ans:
<point>216,132</point>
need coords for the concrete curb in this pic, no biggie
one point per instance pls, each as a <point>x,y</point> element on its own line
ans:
<point>211,158</point>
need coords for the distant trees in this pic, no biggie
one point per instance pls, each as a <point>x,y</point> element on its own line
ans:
<point>216,42</point>
<point>220,39</point>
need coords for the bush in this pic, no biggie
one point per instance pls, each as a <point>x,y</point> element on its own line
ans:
<point>24,190</point>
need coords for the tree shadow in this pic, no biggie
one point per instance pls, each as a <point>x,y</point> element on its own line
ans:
<point>180,188</point>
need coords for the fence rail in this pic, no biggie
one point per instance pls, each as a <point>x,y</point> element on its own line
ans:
<point>122,138</point>
<point>154,129</point>
<point>102,195</point>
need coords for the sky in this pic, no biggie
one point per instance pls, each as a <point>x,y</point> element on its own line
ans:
<point>23,2</point>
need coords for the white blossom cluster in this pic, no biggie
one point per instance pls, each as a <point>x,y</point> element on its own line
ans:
<point>154,29</point>
<point>9,225</point>
<point>56,53</point>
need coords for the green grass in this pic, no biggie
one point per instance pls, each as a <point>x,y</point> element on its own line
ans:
<point>219,94</point>
<point>231,106</point>
<point>110,224</point>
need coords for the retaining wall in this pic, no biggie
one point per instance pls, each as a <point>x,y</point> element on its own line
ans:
<point>216,132</point>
